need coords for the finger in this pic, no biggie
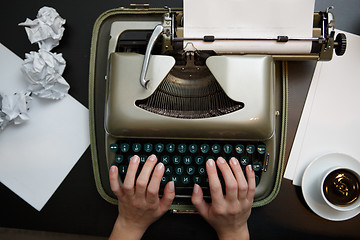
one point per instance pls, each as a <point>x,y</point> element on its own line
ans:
<point>114,181</point>
<point>250,174</point>
<point>214,182</point>
<point>198,201</point>
<point>231,184</point>
<point>168,197</point>
<point>143,178</point>
<point>240,178</point>
<point>129,180</point>
<point>152,193</point>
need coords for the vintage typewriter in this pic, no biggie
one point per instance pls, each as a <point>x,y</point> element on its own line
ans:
<point>149,95</point>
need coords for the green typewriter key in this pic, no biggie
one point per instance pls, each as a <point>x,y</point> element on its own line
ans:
<point>239,148</point>
<point>244,160</point>
<point>122,169</point>
<point>199,160</point>
<point>175,179</point>
<point>205,148</point>
<point>159,147</point>
<point>164,180</point>
<point>187,160</point>
<point>257,166</point>
<point>197,179</point>
<point>168,170</point>
<point>148,147</point>
<point>170,147</point>
<point>179,170</point>
<point>113,147</point>
<point>261,149</point>
<point>190,170</point>
<point>250,149</point>
<point>136,147</point>
<point>227,148</point>
<point>193,148</point>
<point>201,170</point>
<point>119,158</point>
<point>182,148</point>
<point>176,159</point>
<point>124,147</point>
<point>143,158</point>
<point>185,179</point>
<point>165,159</point>
<point>216,148</point>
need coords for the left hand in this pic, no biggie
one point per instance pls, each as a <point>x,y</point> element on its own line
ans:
<point>139,204</point>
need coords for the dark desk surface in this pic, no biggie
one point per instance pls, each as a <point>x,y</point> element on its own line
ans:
<point>76,207</point>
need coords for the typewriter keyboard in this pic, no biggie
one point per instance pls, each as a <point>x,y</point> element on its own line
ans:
<point>185,160</point>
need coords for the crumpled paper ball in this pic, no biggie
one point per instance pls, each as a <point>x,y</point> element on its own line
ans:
<point>14,108</point>
<point>44,70</point>
<point>46,30</point>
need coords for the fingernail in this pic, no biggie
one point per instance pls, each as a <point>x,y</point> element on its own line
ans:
<point>250,167</point>
<point>135,159</point>
<point>112,168</point>
<point>152,158</point>
<point>234,161</point>
<point>221,160</point>
<point>211,163</point>
<point>196,188</point>
<point>160,166</point>
<point>171,186</point>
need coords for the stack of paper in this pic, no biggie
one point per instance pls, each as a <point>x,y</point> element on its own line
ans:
<point>36,156</point>
<point>330,121</point>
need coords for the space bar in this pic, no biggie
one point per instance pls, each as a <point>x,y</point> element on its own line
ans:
<point>187,191</point>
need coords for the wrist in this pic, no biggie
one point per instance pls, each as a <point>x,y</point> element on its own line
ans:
<point>126,230</point>
<point>239,234</point>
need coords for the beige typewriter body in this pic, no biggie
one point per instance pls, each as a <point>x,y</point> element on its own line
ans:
<point>253,84</point>
<point>248,79</point>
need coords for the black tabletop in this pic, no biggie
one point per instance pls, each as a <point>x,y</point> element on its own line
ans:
<point>76,206</point>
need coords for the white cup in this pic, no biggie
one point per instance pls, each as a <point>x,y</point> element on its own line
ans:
<point>340,188</point>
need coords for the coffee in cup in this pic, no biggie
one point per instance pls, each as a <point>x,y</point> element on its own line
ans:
<point>341,189</point>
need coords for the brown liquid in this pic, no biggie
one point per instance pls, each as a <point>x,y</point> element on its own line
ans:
<point>341,187</point>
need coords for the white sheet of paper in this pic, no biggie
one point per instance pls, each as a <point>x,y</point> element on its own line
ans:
<point>300,133</point>
<point>330,119</point>
<point>37,155</point>
<point>249,19</point>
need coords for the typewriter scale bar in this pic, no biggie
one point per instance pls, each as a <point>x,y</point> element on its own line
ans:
<point>213,38</point>
<point>184,160</point>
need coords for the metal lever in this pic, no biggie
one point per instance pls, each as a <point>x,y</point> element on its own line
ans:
<point>154,36</point>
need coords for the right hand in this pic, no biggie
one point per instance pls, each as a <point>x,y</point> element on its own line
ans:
<point>227,214</point>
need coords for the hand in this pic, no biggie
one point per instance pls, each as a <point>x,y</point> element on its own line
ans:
<point>227,214</point>
<point>139,205</point>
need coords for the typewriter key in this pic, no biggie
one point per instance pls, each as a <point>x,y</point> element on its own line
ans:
<point>113,147</point>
